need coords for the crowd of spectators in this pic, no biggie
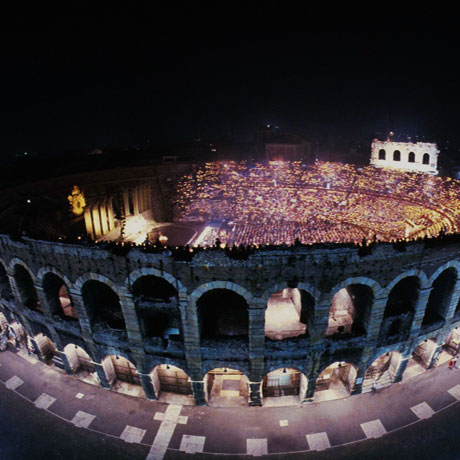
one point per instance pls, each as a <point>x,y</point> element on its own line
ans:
<point>280,202</point>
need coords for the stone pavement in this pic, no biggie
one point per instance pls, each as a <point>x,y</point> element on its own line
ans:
<point>255,431</point>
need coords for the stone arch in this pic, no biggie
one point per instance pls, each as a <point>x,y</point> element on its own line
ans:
<point>229,285</point>
<point>80,362</point>
<point>421,355</point>
<point>411,157</point>
<point>382,154</point>
<point>312,290</point>
<point>396,155</point>
<point>145,271</point>
<point>25,285</point>
<point>451,264</point>
<point>123,375</point>
<point>352,302</point>
<point>169,381</point>
<point>382,370</point>
<point>50,269</point>
<point>209,366</point>
<point>218,382</point>
<point>102,304</point>
<point>157,307</point>
<point>78,285</point>
<point>403,295</point>
<point>18,261</point>
<point>438,305</point>
<point>56,290</point>
<point>46,347</point>
<point>336,380</point>
<point>222,312</point>
<point>285,381</point>
<point>426,159</point>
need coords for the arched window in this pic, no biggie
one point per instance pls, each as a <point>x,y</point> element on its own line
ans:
<point>396,155</point>
<point>382,154</point>
<point>426,158</point>
<point>411,158</point>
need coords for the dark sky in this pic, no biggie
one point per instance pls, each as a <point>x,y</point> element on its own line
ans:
<point>83,79</point>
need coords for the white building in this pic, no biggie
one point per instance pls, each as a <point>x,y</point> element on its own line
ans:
<point>405,156</point>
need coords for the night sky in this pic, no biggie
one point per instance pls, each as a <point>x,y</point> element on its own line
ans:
<point>85,79</point>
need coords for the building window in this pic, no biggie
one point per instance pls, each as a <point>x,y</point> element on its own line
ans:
<point>411,157</point>
<point>382,154</point>
<point>426,159</point>
<point>396,155</point>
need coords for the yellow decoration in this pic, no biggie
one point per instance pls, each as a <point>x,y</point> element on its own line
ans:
<point>77,201</point>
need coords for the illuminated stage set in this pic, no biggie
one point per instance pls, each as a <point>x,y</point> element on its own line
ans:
<point>238,283</point>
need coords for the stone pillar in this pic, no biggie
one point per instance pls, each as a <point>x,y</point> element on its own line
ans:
<point>454,299</point>
<point>420,308</point>
<point>126,202</point>
<point>103,217</point>
<point>402,367</point>
<point>358,383</point>
<point>255,396</point>
<point>147,386</point>
<point>83,319</point>
<point>191,337</point>
<point>135,201</point>
<point>102,377</point>
<point>199,392</point>
<point>96,221</point>
<point>435,357</point>
<point>89,222</point>
<point>317,328</point>
<point>131,320</point>
<point>375,319</point>
<point>311,388</point>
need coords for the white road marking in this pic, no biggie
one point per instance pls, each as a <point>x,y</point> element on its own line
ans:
<point>79,395</point>
<point>82,419</point>
<point>373,429</point>
<point>455,391</point>
<point>422,410</point>
<point>318,441</point>
<point>164,434</point>
<point>132,434</point>
<point>284,423</point>
<point>44,401</point>
<point>13,383</point>
<point>191,444</point>
<point>256,447</point>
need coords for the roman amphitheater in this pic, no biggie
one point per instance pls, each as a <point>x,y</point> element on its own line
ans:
<point>234,284</point>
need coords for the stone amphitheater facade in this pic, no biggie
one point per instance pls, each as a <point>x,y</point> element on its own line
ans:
<point>433,286</point>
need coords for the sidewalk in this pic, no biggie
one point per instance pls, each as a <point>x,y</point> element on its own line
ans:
<point>252,430</point>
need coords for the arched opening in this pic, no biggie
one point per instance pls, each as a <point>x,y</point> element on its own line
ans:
<point>227,387</point>
<point>122,375</point>
<point>439,300</point>
<point>350,311</point>
<point>222,313</point>
<point>5,288</point>
<point>382,154</point>
<point>336,381</point>
<point>103,305</point>
<point>426,158</point>
<point>420,359</point>
<point>451,346</point>
<point>287,314</point>
<point>26,288</point>
<point>399,310</point>
<point>411,157</point>
<point>382,371</point>
<point>157,307</point>
<point>46,348</point>
<point>58,297</point>
<point>396,155</point>
<point>284,387</point>
<point>172,385</point>
<point>81,364</point>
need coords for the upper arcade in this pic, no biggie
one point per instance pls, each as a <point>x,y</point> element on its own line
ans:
<point>405,156</point>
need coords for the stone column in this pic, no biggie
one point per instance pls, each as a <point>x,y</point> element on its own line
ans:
<point>317,328</point>
<point>375,319</point>
<point>102,377</point>
<point>402,367</point>
<point>199,392</point>
<point>126,202</point>
<point>454,299</point>
<point>420,308</point>
<point>358,383</point>
<point>147,386</point>
<point>311,388</point>
<point>131,320</point>
<point>191,337</point>
<point>65,361</point>
<point>135,201</point>
<point>435,357</point>
<point>255,396</point>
